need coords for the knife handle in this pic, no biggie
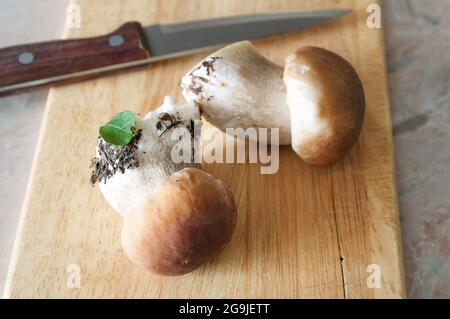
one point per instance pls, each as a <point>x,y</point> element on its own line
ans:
<point>53,60</point>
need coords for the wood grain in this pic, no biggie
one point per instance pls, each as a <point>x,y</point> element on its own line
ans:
<point>62,57</point>
<point>305,232</point>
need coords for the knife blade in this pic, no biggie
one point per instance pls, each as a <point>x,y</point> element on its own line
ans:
<point>65,61</point>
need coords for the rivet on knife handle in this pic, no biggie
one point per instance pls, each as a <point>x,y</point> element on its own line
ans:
<point>31,65</point>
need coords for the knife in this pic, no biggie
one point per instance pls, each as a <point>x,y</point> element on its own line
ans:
<point>65,61</point>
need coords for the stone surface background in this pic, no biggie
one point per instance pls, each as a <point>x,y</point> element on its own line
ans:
<point>418,54</point>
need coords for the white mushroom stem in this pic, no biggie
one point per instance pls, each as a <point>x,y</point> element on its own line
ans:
<point>238,87</point>
<point>126,191</point>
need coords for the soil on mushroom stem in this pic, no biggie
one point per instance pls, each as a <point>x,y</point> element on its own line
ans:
<point>196,85</point>
<point>167,121</point>
<point>112,159</point>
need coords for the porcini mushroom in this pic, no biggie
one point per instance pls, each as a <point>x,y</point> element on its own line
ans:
<point>176,216</point>
<point>238,87</point>
<point>316,101</point>
<point>326,103</point>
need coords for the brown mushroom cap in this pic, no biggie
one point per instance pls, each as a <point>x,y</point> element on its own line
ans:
<point>320,79</point>
<point>188,219</point>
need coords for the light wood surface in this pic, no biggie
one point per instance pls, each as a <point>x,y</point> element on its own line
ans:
<point>303,232</point>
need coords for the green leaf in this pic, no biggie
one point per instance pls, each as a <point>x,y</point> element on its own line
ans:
<point>119,131</point>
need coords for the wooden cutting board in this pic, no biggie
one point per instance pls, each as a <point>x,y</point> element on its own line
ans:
<point>303,232</point>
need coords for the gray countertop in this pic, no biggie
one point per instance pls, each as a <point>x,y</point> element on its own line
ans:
<point>418,54</point>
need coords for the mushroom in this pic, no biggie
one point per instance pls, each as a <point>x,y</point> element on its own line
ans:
<point>238,87</point>
<point>189,218</point>
<point>176,216</point>
<point>317,101</point>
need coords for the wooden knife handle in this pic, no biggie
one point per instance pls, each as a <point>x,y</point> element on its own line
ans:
<point>38,61</point>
